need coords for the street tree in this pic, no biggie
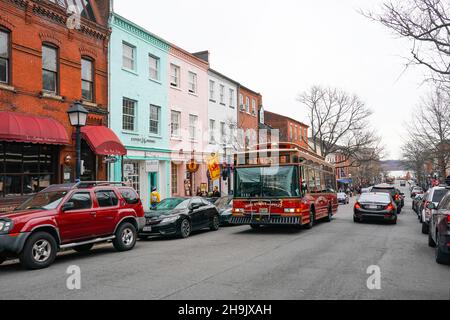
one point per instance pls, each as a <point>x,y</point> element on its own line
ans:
<point>415,156</point>
<point>339,123</point>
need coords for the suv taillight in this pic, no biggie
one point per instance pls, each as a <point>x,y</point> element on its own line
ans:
<point>448,218</point>
<point>390,207</point>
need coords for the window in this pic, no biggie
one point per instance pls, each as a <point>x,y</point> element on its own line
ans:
<point>174,76</point>
<point>106,198</point>
<point>130,196</point>
<point>296,133</point>
<point>291,132</point>
<point>81,201</point>
<point>192,82</point>
<point>232,98</point>
<point>241,101</point>
<point>155,119</point>
<point>128,56</point>
<point>193,123</point>
<point>212,93</point>
<point>223,132</point>
<point>50,69</point>
<point>254,107</point>
<point>175,119</point>
<point>174,179</point>
<point>131,175</point>
<point>128,114</point>
<point>4,56</point>
<point>222,94</point>
<point>212,131</point>
<point>153,67</point>
<point>87,79</point>
<point>26,168</point>
<point>247,104</point>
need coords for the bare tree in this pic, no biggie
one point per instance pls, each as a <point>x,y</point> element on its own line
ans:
<point>415,158</point>
<point>430,128</point>
<point>339,123</point>
<point>427,24</point>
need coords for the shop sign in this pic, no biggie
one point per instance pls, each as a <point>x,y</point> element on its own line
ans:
<point>152,166</point>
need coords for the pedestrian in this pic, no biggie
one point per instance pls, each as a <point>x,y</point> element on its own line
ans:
<point>155,198</point>
<point>216,192</point>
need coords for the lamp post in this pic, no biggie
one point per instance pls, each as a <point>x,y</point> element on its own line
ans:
<point>78,117</point>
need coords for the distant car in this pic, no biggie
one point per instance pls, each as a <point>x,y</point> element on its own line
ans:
<point>402,198</point>
<point>439,233</point>
<point>71,216</point>
<point>435,195</point>
<point>375,206</point>
<point>225,207</point>
<point>393,192</point>
<point>402,183</point>
<point>343,198</point>
<point>180,217</point>
<point>416,203</point>
<point>415,191</point>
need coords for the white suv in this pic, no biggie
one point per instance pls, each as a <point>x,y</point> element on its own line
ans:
<point>435,196</point>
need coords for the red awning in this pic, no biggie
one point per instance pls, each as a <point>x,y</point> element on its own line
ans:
<point>19,127</point>
<point>103,141</point>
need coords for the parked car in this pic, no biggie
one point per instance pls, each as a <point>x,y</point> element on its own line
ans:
<point>180,217</point>
<point>422,206</point>
<point>375,206</point>
<point>225,207</point>
<point>402,198</point>
<point>434,195</point>
<point>415,191</point>
<point>392,191</point>
<point>343,198</point>
<point>402,183</point>
<point>416,203</point>
<point>73,216</point>
<point>439,233</point>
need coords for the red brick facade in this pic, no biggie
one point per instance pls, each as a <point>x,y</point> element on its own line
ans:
<point>250,103</point>
<point>33,23</point>
<point>290,130</point>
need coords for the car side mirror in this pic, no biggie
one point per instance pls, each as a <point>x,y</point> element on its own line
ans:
<point>68,206</point>
<point>432,206</point>
<point>194,206</point>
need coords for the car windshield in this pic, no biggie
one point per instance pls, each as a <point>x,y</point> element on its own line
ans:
<point>269,182</point>
<point>375,198</point>
<point>439,194</point>
<point>43,201</point>
<point>172,203</point>
<point>223,203</point>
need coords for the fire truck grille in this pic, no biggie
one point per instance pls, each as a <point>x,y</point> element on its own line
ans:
<point>266,220</point>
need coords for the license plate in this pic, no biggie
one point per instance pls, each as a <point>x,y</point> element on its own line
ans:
<point>373,207</point>
<point>147,229</point>
<point>263,210</point>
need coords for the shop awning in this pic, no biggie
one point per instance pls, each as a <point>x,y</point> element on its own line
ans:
<point>345,181</point>
<point>19,127</point>
<point>103,141</point>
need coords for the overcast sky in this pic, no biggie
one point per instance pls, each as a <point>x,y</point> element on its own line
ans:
<point>282,47</point>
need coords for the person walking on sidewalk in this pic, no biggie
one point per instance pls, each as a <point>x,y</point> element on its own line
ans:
<point>155,198</point>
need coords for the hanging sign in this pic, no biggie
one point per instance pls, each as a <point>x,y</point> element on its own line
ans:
<point>214,166</point>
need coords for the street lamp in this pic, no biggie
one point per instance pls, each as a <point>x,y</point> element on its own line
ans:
<point>78,117</point>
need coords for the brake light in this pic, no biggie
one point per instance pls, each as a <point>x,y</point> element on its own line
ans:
<point>397,197</point>
<point>448,218</point>
<point>390,207</point>
<point>357,206</point>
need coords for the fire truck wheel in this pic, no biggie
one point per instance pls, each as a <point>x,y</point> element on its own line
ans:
<point>255,226</point>
<point>311,221</point>
<point>330,215</point>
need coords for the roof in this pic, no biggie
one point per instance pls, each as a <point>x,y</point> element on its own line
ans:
<point>289,118</point>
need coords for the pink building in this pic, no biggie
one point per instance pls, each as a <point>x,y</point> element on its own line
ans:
<point>188,116</point>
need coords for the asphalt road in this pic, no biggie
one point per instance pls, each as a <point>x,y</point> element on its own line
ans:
<point>329,261</point>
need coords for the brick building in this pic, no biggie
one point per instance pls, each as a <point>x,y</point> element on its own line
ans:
<point>290,129</point>
<point>51,55</point>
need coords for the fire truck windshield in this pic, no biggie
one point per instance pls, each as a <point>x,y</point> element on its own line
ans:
<point>267,182</point>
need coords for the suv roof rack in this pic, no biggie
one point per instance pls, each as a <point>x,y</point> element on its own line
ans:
<point>92,184</point>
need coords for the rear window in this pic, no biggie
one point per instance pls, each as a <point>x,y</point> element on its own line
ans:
<point>376,198</point>
<point>439,194</point>
<point>392,192</point>
<point>130,196</point>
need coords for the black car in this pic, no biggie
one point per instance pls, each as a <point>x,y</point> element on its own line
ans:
<point>416,203</point>
<point>439,233</point>
<point>179,217</point>
<point>393,192</point>
<point>225,206</point>
<point>376,207</point>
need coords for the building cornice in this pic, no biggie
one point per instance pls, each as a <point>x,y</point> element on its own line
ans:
<point>189,57</point>
<point>140,32</point>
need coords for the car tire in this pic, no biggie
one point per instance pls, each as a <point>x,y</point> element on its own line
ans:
<point>2,259</point>
<point>394,222</point>
<point>126,236</point>
<point>310,225</point>
<point>84,248</point>
<point>255,226</point>
<point>185,229</point>
<point>356,220</point>
<point>39,251</point>
<point>441,257</point>
<point>329,218</point>
<point>431,242</point>
<point>425,228</point>
<point>215,223</point>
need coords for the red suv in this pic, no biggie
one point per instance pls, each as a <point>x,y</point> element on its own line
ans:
<point>73,216</point>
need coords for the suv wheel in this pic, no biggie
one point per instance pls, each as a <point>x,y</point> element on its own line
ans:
<point>126,236</point>
<point>441,257</point>
<point>84,248</point>
<point>185,229</point>
<point>431,242</point>
<point>215,223</point>
<point>425,228</point>
<point>39,251</point>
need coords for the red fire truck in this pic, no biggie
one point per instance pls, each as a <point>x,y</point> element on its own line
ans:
<point>283,184</point>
